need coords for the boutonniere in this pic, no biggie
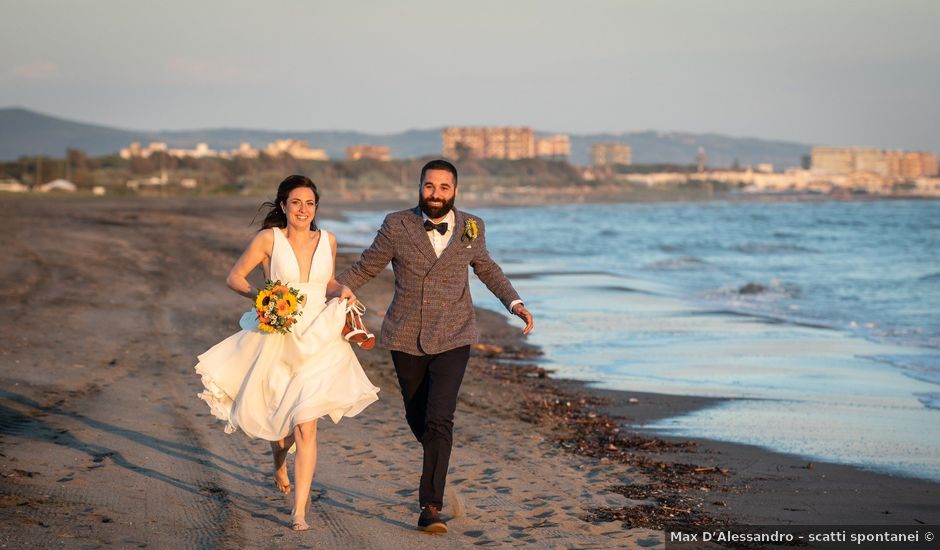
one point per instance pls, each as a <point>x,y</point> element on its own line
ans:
<point>470,229</point>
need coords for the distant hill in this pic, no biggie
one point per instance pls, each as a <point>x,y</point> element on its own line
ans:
<point>25,132</point>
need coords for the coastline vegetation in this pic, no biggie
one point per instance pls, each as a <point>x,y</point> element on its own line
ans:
<point>490,180</point>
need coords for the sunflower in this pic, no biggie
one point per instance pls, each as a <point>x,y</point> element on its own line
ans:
<point>470,229</point>
<point>264,327</point>
<point>292,302</point>
<point>264,296</point>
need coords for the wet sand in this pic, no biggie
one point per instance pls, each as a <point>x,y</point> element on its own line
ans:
<point>106,303</point>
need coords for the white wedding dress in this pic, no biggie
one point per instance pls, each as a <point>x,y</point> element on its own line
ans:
<point>265,384</point>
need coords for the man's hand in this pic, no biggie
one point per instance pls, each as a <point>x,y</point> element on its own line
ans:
<point>520,311</point>
<point>336,290</point>
<point>347,293</point>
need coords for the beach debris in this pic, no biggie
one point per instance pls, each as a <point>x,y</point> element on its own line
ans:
<point>492,351</point>
<point>712,469</point>
<point>21,473</point>
<point>518,372</point>
<point>488,349</point>
<point>578,425</point>
<point>752,288</point>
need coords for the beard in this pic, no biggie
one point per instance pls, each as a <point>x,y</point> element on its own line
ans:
<point>433,211</point>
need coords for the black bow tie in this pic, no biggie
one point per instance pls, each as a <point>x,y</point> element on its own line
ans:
<point>430,226</point>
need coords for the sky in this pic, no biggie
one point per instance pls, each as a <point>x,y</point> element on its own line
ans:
<point>835,72</point>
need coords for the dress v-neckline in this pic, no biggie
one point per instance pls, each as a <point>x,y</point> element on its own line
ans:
<point>297,259</point>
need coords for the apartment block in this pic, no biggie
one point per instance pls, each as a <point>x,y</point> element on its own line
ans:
<point>374,152</point>
<point>858,160</point>
<point>135,150</point>
<point>488,142</point>
<point>832,160</point>
<point>244,150</point>
<point>557,146</point>
<point>609,154</point>
<point>296,148</point>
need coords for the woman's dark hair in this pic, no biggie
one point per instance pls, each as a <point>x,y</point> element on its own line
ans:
<point>276,216</point>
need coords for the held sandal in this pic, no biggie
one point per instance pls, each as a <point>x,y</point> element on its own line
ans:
<point>354,331</point>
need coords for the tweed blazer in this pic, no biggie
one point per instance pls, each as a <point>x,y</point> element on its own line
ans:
<point>431,311</point>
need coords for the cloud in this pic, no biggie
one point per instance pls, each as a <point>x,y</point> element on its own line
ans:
<point>201,70</point>
<point>42,70</point>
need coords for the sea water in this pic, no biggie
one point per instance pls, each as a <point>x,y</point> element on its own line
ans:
<point>818,320</point>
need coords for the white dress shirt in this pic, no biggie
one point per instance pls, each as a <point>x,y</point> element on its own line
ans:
<point>439,242</point>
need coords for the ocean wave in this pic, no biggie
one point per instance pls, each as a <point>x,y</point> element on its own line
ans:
<point>774,290</point>
<point>771,307</point>
<point>930,400</point>
<point>674,264</point>
<point>925,368</point>
<point>931,278</point>
<point>767,248</point>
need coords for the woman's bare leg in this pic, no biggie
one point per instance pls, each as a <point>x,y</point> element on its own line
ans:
<point>304,465</point>
<point>279,450</point>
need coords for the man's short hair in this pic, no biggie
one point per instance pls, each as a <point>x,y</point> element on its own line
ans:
<point>438,164</point>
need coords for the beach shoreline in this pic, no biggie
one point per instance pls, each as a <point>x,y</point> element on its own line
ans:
<point>104,442</point>
<point>739,484</point>
<point>772,488</point>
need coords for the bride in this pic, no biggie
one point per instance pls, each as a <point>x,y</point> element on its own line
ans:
<point>275,386</point>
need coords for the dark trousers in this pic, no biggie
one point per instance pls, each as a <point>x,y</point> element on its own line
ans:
<point>429,385</point>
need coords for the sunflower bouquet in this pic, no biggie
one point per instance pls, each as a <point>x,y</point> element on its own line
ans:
<point>276,306</point>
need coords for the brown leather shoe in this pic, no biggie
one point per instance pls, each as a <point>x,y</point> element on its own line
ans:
<point>430,520</point>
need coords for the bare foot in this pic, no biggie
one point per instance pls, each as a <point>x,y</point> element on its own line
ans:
<point>281,479</point>
<point>297,522</point>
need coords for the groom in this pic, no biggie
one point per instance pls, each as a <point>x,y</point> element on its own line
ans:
<point>430,323</point>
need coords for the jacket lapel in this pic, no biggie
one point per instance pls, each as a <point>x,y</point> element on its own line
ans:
<point>457,240</point>
<point>414,227</point>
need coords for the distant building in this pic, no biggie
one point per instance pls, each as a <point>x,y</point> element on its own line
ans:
<point>832,160</point>
<point>870,160</point>
<point>556,147</point>
<point>866,160</point>
<point>765,168</point>
<point>245,151</point>
<point>58,185</point>
<point>488,142</point>
<point>374,152</point>
<point>135,150</point>
<point>153,181</point>
<point>701,159</point>
<point>296,148</point>
<point>11,185</point>
<point>930,164</point>
<point>610,154</point>
<point>202,150</point>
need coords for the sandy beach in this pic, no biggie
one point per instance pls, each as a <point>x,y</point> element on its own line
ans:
<point>103,443</point>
